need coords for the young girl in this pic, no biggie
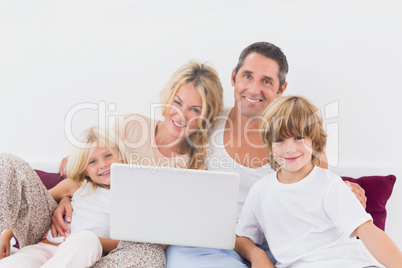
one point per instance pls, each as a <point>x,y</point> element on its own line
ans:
<point>307,214</point>
<point>88,183</point>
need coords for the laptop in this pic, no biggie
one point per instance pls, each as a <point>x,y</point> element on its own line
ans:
<point>173,206</point>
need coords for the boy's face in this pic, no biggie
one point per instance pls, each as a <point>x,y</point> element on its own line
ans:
<point>294,155</point>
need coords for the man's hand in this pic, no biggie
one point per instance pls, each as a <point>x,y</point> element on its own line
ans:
<point>359,192</point>
<point>62,167</point>
<point>63,212</point>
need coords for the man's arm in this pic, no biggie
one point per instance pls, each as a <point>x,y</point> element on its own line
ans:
<point>380,245</point>
<point>249,251</point>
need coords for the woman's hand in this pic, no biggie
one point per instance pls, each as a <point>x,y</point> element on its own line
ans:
<point>359,192</point>
<point>62,167</point>
<point>62,213</point>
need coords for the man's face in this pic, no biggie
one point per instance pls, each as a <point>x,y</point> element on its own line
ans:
<point>256,84</point>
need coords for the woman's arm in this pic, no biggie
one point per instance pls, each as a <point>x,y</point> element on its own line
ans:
<point>249,251</point>
<point>108,244</point>
<point>380,245</point>
<point>62,167</point>
<point>5,243</point>
<point>62,193</point>
<point>66,187</point>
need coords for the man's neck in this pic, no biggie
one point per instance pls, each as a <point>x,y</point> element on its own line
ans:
<point>242,122</point>
<point>243,141</point>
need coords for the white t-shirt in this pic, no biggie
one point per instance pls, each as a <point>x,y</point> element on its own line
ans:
<point>218,159</point>
<point>307,224</point>
<point>91,210</point>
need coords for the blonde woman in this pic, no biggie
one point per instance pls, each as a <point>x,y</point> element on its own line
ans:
<point>191,101</point>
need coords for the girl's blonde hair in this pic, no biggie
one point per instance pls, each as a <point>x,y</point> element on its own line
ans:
<point>206,80</point>
<point>293,116</point>
<point>90,139</point>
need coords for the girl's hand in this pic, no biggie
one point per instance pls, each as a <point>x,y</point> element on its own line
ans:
<point>5,243</point>
<point>62,167</point>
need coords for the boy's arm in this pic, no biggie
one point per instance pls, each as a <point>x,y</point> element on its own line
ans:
<point>380,245</point>
<point>108,244</point>
<point>249,251</point>
<point>5,243</point>
<point>66,187</point>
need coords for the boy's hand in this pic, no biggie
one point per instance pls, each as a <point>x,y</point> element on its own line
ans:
<point>63,211</point>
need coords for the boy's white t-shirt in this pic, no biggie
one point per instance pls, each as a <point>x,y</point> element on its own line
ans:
<point>307,224</point>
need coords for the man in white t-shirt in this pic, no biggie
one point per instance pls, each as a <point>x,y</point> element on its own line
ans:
<point>236,144</point>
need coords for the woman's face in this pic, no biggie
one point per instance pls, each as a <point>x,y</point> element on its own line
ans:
<point>182,117</point>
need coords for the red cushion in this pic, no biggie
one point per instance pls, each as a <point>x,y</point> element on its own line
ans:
<point>378,189</point>
<point>49,179</point>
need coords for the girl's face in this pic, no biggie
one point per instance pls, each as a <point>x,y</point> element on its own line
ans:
<point>181,119</point>
<point>293,155</point>
<point>98,166</point>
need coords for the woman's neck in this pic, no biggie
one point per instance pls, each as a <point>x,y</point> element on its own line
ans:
<point>167,145</point>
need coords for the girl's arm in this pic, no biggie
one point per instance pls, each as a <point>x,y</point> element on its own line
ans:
<point>380,245</point>
<point>249,251</point>
<point>5,243</point>
<point>66,187</point>
<point>108,244</point>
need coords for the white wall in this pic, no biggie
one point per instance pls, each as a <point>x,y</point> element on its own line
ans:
<point>55,55</point>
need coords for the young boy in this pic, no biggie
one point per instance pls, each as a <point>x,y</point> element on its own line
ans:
<point>307,214</point>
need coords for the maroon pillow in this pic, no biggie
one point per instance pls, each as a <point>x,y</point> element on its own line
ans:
<point>49,179</point>
<point>378,189</point>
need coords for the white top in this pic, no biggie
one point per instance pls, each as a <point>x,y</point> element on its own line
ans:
<point>91,210</point>
<point>307,224</point>
<point>218,159</point>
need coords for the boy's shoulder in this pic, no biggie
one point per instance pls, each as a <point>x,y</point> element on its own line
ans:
<point>263,182</point>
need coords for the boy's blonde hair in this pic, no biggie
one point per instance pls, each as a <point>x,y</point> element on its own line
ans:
<point>293,116</point>
<point>90,139</point>
<point>206,80</point>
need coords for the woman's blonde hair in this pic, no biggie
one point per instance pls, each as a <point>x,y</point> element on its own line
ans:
<point>206,80</point>
<point>293,116</point>
<point>90,139</point>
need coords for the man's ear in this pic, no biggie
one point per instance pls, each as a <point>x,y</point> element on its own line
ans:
<point>282,89</point>
<point>233,76</point>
